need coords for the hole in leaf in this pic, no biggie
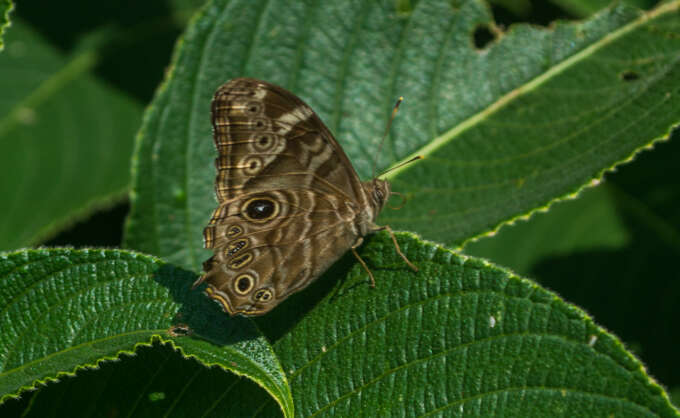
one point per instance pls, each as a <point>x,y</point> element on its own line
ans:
<point>482,36</point>
<point>629,76</point>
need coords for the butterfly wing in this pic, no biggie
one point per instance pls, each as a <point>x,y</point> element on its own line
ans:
<point>287,195</point>
<point>266,136</point>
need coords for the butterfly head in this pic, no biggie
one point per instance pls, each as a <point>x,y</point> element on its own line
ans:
<point>379,193</point>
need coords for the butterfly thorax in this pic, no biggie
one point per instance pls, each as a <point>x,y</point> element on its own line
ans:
<point>377,193</point>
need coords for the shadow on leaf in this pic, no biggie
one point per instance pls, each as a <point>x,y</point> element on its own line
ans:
<point>198,316</point>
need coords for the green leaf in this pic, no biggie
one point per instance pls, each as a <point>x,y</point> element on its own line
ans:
<point>590,222</point>
<point>461,336</point>
<point>6,7</point>
<point>529,120</point>
<point>613,252</point>
<point>597,95</point>
<point>63,309</point>
<point>65,139</point>
<point>156,381</point>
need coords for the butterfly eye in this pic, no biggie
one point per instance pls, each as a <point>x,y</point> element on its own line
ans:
<point>243,284</point>
<point>260,209</point>
<point>263,295</point>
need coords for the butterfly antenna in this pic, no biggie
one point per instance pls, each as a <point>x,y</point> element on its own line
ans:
<point>395,109</point>
<point>416,158</point>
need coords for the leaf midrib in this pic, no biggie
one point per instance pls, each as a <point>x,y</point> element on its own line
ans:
<point>76,67</point>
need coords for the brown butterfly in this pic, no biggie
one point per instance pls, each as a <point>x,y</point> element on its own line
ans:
<point>290,202</point>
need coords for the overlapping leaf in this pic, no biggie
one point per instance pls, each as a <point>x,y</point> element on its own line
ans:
<point>64,309</point>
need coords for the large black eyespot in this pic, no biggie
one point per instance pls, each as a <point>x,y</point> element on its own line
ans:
<point>263,295</point>
<point>260,209</point>
<point>243,284</point>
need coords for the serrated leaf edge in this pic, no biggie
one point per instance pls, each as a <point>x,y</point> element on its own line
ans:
<point>595,180</point>
<point>456,258</point>
<point>7,22</point>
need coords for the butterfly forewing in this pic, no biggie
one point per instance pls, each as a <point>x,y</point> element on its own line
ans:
<point>267,137</point>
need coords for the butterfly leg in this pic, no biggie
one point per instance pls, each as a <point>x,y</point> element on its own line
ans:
<point>363,263</point>
<point>396,246</point>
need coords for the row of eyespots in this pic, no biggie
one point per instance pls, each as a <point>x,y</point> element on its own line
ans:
<point>244,283</point>
<point>235,246</point>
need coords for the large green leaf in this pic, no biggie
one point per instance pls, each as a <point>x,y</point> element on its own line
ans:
<point>459,336</point>
<point>63,309</point>
<point>65,138</point>
<point>532,118</point>
<point>589,108</point>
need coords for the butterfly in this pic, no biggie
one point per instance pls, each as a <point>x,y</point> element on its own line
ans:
<point>290,204</point>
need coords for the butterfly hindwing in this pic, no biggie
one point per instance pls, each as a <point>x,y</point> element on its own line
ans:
<point>300,234</point>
